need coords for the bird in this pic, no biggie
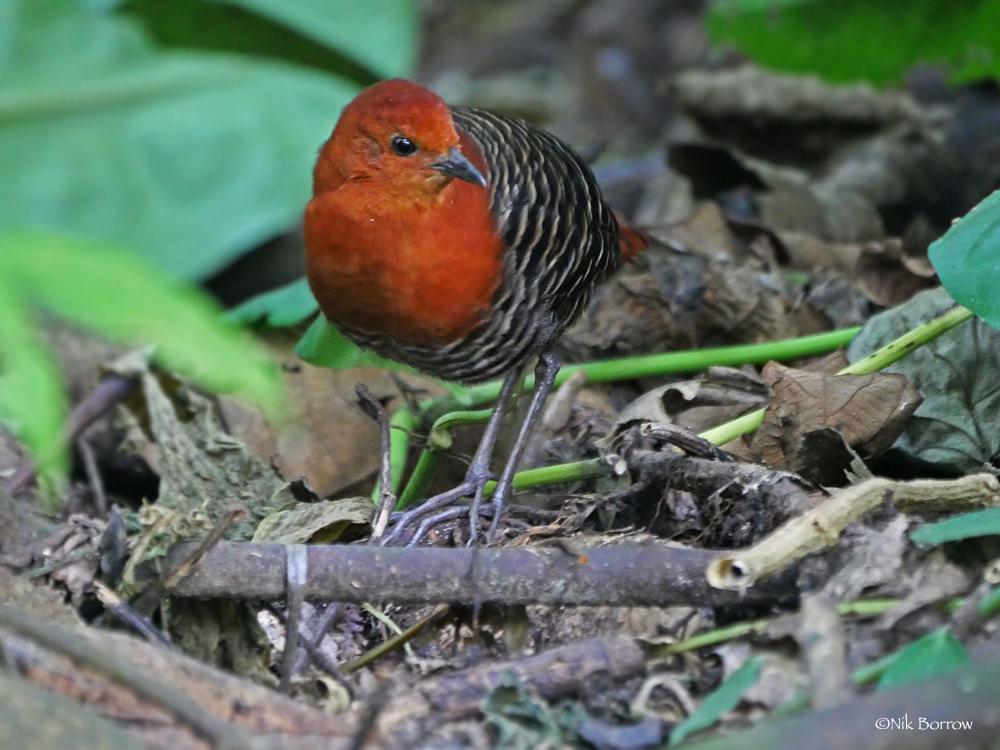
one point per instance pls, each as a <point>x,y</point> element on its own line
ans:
<point>460,242</point>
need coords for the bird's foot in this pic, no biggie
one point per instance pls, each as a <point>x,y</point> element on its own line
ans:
<point>440,508</point>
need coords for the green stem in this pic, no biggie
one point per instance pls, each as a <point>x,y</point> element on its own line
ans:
<point>878,360</point>
<point>439,439</point>
<point>658,365</point>
<point>543,476</point>
<point>401,424</point>
<point>626,368</point>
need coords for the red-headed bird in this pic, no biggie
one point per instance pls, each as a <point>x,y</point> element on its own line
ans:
<point>459,242</point>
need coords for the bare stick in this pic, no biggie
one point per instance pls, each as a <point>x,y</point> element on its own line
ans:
<point>296,574</point>
<point>93,476</point>
<point>387,500</point>
<point>820,527</point>
<point>128,616</point>
<point>654,574</point>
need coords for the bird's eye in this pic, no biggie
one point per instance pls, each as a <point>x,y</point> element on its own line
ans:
<point>403,146</point>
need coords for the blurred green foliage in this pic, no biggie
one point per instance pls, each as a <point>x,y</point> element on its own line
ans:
<point>184,129</point>
<point>863,40</point>
<point>937,653</point>
<point>963,526</point>
<point>115,293</point>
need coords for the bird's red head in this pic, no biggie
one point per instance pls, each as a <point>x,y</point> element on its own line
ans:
<point>399,135</point>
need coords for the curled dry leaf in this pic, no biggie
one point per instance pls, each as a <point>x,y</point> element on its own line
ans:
<point>868,411</point>
<point>720,394</point>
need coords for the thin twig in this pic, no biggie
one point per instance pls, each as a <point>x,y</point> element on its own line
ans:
<point>387,500</point>
<point>110,391</point>
<point>402,638</point>
<point>149,599</point>
<point>93,476</point>
<point>296,575</point>
<point>128,616</point>
<point>821,526</point>
<point>312,643</point>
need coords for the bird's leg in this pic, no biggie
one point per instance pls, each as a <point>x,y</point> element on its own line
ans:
<point>478,473</point>
<point>545,376</point>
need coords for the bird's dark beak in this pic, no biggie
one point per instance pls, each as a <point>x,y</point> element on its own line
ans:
<point>455,164</point>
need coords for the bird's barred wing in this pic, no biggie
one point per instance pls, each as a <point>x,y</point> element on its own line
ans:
<point>562,236</point>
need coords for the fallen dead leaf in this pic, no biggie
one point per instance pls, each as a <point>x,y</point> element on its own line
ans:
<point>328,441</point>
<point>322,522</point>
<point>886,276</point>
<point>868,411</point>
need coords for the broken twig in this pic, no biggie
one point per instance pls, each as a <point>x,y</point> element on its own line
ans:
<point>820,527</point>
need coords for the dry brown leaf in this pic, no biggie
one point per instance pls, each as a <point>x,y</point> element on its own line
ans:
<point>720,394</point>
<point>328,440</point>
<point>886,276</point>
<point>867,411</point>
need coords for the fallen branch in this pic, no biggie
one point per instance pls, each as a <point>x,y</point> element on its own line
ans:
<point>821,527</point>
<point>652,574</point>
<point>220,733</point>
<point>557,673</point>
<point>784,494</point>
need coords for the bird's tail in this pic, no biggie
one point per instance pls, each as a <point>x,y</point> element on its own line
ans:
<point>632,241</point>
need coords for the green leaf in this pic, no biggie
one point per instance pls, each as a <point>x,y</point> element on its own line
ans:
<point>360,42</point>
<point>189,157</point>
<point>964,526</point>
<point>116,294</point>
<point>955,429</point>
<point>861,40</point>
<point>967,259</point>
<point>989,605</point>
<point>719,702</point>
<point>285,306</point>
<point>379,34</point>
<point>323,345</point>
<point>930,656</point>
<point>32,400</point>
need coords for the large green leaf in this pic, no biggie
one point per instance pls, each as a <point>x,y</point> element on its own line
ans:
<point>379,34</point>
<point>114,293</point>
<point>932,655</point>
<point>967,259</point>
<point>363,43</point>
<point>188,157</point>
<point>862,40</point>
<point>323,345</point>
